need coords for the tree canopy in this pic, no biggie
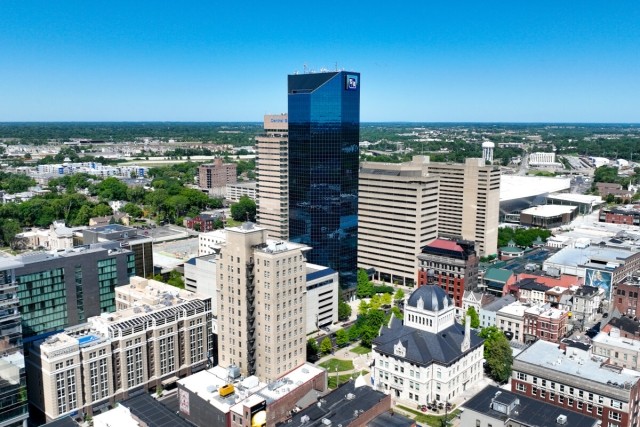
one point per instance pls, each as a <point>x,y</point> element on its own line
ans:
<point>475,318</point>
<point>244,210</point>
<point>522,237</point>
<point>497,353</point>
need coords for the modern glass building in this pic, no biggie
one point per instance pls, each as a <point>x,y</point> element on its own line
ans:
<point>61,289</point>
<point>324,134</point>
<point>13,387</point>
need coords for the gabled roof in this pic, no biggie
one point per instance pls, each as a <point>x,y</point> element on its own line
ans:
<point>424,348</point>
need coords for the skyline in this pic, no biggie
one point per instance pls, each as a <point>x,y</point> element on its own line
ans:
<point>455,63</point>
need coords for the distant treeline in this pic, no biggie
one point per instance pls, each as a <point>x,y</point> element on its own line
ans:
<point>237,134</point>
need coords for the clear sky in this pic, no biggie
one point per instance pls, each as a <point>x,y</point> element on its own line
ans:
<point>137,60</point>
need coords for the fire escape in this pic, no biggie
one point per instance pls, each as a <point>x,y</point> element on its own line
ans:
<point>251,317</point>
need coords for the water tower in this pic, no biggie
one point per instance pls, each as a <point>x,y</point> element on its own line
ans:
<point>487,151</point>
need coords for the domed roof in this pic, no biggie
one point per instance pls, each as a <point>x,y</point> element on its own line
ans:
<point>432,298</point>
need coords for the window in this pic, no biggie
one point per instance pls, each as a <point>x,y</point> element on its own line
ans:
<point>615,416</point>
<point>579,405</point>
<point>521,387</point>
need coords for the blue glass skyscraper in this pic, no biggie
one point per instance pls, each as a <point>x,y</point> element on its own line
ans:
<point>324,135</point>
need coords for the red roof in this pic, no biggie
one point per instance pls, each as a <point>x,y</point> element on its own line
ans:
<point>449,245</point>
<point>564,281</point>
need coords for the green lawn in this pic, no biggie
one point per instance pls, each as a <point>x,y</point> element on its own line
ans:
<point>429,419</point>
<point>232,223</point>
<point>331,383</point>
<point>360,350</point>
<point>342,365</point>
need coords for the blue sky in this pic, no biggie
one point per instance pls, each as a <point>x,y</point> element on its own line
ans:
<point>566,61</point>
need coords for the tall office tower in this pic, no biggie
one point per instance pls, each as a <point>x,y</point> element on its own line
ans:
<point>324,132</point>
<point>397,216</point>
<point>260,303</point>
<point>13,391</point>
<point>65,288</point>
<point>469,202</point>
<point>272,170</point>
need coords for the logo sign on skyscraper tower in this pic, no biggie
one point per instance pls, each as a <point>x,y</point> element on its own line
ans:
<point>352,82</point>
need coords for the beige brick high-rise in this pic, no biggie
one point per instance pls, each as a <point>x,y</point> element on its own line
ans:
<point>402,207</point>
<point>397,216</point>
<point>272,170</point>
<point>469,202</point>
<point>261,304</point>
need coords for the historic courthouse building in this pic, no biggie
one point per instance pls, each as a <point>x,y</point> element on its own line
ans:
<point>427,356</point>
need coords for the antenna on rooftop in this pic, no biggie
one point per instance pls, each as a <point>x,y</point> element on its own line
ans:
<point>336,65</point>
<point>306,70</point>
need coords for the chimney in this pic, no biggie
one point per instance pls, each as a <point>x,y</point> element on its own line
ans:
<point>466,342</point>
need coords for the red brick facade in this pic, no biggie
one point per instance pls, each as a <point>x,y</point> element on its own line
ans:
<point>544,327</point>
<point>625,299</point>
<point>574,402</point>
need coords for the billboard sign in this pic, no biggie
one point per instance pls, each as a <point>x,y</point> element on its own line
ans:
<point>259,414</point>
<point>600,279</point>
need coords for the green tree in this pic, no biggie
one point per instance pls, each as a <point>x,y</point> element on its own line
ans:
<point>497,353</point>
<point>312,349</point>
<point>475,318</point>
<point>101,209</point>
<point>396,312</point>
<point>386,300</point>
<point>175,279</point>
<point>342,338</point>
<point>399,295</point>
<point>376,302</point>
<point>244,210</point>
<point>344,310</point>
<point>9,228</point>
<point>364,287</point>
<point>132,210</point>
<point>82,216</point>
<point>112,189</point>
<point>363,307</point>
<point>326,346</point>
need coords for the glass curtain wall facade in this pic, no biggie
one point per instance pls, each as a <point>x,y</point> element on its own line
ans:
<point>13,388</point>
<point>324,134</point>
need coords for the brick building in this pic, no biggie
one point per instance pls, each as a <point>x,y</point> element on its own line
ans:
<point>556,375</point>
<point>217,175</point>
<point>628,215</point>
<point>203,222</point>
<point>545,323</point>
<point>625,298</point>
<point>450,264</point>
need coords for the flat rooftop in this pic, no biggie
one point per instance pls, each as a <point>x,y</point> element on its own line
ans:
<point>549,211</point>
<point>569,256</point>
<point>514,187</point>
<point>340,407</point>
<point>527,411</point>
<point>549,356</point>
<point>515,309</point>
<point>549,312</point>
<point>206,384</point>
<point>604,338</point>
<point>35,257</point>
<point>577,198</point>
